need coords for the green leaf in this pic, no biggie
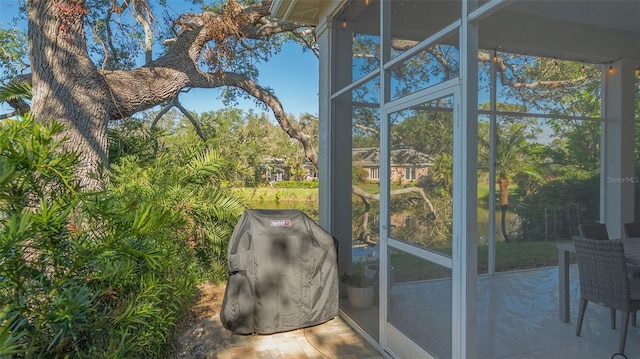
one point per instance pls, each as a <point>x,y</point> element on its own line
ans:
<point>15,91</point>
<point>11,333</point>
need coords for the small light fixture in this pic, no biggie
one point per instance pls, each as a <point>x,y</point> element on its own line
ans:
<point>344,24</point>
<point>495,56</point>
<point>366,2</point>
<point>610,67</point>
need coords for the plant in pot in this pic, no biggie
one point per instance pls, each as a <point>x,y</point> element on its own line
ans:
<point>372,271</point>
<point>359,288</point>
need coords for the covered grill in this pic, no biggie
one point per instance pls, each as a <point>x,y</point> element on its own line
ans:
<point>283,273</point>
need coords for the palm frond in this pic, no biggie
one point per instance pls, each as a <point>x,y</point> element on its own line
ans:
<point>15,91</point>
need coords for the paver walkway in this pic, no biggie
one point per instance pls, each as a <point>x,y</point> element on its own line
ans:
<point>334,339</point>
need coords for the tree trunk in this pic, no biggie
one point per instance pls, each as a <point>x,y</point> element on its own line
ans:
<point>66,85</point>
<point>364,226</point>
<point>503,182</point>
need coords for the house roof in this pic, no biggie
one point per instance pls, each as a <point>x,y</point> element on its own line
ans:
<point>406,157</point>
<point>302,11</point>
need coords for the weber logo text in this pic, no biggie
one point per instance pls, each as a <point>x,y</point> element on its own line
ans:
<point>280,223</point>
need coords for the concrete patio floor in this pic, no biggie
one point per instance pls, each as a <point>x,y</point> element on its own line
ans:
<point>518,318</point>
<point>334,339</point>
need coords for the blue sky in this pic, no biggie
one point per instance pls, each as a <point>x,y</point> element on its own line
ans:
<point>292,74</point>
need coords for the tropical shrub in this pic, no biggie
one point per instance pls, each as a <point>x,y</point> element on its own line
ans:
<point>183,175</point>
<point>132,136</point>
<point>87,275</point>
<point>555,209</point>
<point>186,181</point>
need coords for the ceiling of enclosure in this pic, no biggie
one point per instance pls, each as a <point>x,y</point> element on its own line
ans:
<point>593,31</point>
<point>586,30</point>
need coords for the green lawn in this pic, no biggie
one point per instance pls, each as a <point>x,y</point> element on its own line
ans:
<point>509,256</point>
<point>483,194</point>
<point>276,195</point>
<point>374,187</point>
<point>268,194</point>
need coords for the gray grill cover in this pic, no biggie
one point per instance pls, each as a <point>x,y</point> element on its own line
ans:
<point>283,273</point>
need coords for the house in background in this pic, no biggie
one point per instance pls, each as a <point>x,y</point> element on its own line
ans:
<point>311,173</point>
<point>406,164</point>
<point>274,169</point>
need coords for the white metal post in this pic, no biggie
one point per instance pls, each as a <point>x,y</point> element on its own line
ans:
<point>335,139</point>
<point>493,135</point>
<point>465,193</point>
<point>385,178</point>
<point>617,177</point>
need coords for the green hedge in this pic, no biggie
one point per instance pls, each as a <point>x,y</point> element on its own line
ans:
<point>296,184</point>
<point>556,208</point>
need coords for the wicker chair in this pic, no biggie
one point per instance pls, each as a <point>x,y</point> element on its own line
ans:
<point>631,230</point>
<point>594,231</point>
<point>603,280</point>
